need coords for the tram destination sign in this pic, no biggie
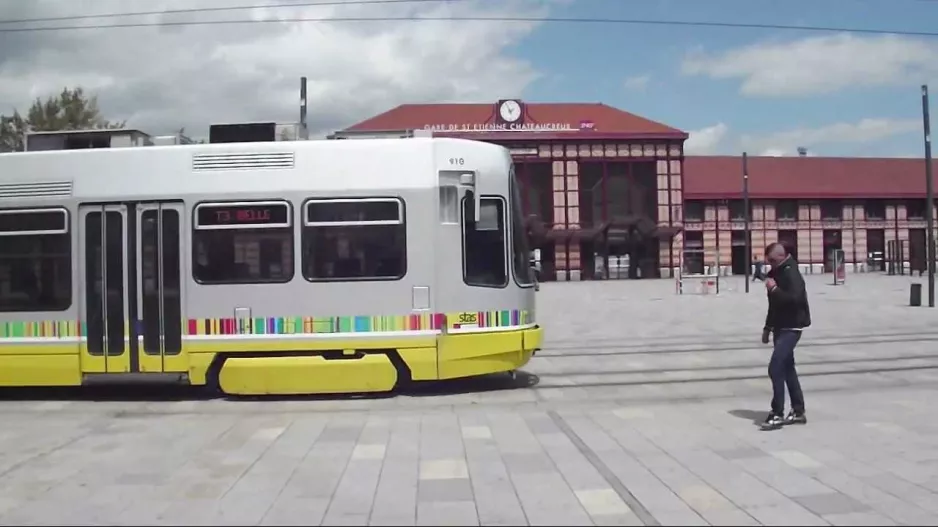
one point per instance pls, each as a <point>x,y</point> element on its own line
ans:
<point>217,215</point>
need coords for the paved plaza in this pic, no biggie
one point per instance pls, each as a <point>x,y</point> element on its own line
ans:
<point>639,411</point>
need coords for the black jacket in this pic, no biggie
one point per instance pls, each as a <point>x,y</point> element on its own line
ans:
<point>788,303</point>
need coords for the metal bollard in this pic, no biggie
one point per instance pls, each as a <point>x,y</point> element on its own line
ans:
<point>915,295</point>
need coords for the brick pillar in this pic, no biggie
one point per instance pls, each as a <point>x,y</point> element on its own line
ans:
<point>574,264</point>
<point>710,250</point>
<point>889,230</point>
<point>724,239</point>
<point>804,248</point>
<point>859,244</point>
<point>560,214</point>
<point>710,238</point>
<point>677,206</point>
<point>759,242</point>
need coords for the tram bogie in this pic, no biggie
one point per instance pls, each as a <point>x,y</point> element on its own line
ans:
<point>264,268</point>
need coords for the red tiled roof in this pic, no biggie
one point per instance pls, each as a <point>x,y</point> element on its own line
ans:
<point>606,120</point>
<point>713,177</point>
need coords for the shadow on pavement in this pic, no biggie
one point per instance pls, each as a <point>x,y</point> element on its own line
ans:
<point>751,415</point>
<point>171,393</point>
<point>486,383</point>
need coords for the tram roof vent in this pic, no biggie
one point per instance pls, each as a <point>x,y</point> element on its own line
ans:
<point>44,189</point>
<point>238,161</point>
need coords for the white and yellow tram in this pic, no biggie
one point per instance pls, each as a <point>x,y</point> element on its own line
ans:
<point>264,268</point>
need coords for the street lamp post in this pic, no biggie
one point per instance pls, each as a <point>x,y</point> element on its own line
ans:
<point>930,200</point>
<point>746,217</point>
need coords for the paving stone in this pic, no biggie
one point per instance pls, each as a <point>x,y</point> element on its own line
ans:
<point>858,518</point>
<point>782,477</point>
<point>445,490</point>
<point>477,432</point>
<point>368,452</point>
<point>602,502</point>
<point>703,498</point>
<point>444,469</point>
<point>616,519</point>
<point>296,511</point>
<point>742,453</point>
<point>732,516</point>
<point>824,504</point>
<point>447,513</point>
<point>396,494</point>
<point>528,463</point>
<point>785,514</point>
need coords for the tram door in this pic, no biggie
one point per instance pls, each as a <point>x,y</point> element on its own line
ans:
<point>159,286</point>
<point>131,288</point>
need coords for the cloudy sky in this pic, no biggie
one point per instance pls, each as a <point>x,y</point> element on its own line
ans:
<point>764,91</point>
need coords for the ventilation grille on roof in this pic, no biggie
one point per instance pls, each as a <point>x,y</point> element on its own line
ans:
<point>201,162</point>
<point>45,189</point>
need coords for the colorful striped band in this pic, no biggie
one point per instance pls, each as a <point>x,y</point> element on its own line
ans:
<point>290,325</point>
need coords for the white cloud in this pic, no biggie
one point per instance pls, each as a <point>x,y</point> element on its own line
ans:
<point>637,83</point>
<point>162,78</point>
<point>774,152</point>
<point>824,140</point>
<point>820,65</point>
<point>832,135</point>
<point>707,140</point>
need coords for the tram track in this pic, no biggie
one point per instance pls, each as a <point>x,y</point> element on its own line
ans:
<point>543,382</point>
<point>665,376</point>
<point>596,372</point>
<point>762,365</point>
<point>735,378</point>
<point>477,393</point>
<point>606,347</point>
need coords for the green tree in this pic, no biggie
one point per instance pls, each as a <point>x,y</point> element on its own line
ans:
<point>72,109</point>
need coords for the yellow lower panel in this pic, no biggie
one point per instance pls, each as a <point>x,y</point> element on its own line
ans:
<point>421,362</point>
<point>198,368</point>
<point>306,375</point>
<point>465,355</point>
<point>165,363</point>
<point>40,370</point>
<point>104,364</point>
<point>533,338</point>
<point>67,348</point>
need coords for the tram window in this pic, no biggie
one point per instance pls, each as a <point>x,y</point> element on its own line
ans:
<point>484,259</point>
<point>35,260</point>
<point>354,239</point>
<point>520,253</point>
<point>243,243</point>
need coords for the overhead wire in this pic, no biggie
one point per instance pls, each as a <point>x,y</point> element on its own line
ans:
<point>407,18</point>
<point>222,9</point>
<point>518,19</point>
<point>282,5</point>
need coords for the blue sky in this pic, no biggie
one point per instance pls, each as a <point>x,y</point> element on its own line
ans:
<point>870,78</point>
<point>756,90</point>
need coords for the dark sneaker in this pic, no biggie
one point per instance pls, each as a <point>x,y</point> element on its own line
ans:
<point>796,419</point>
<point>773,422</point>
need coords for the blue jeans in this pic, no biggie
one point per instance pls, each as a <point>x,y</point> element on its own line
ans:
<point>782,372</point>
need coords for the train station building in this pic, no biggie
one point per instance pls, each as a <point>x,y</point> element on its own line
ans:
<point>610,194</point>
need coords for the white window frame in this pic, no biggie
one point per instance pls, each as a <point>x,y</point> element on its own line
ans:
<point>311,202</point>
<point>506,266</point>
<point>61,210</point>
